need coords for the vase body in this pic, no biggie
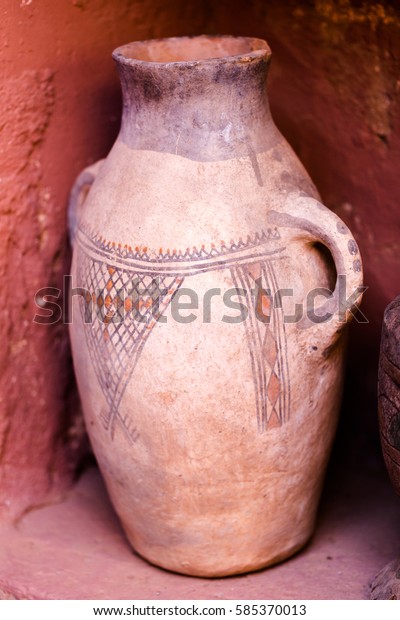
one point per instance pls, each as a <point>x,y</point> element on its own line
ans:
<point>210,376</point>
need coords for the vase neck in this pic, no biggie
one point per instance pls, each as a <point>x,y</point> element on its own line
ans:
<point>206,110</point>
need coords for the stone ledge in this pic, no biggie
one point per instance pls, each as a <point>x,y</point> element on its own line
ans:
<point>77,550</point>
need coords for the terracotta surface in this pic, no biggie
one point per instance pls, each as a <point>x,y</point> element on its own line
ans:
<point>76,549</point>
<point>389,391</point>
<point>387,583</point>
<point>53,124</point>
<point>386,586</point>
<point>213,454</point>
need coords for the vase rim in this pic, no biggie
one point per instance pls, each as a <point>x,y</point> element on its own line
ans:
<point>192,51</point>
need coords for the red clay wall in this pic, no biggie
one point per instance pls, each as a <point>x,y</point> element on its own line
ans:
<point>334,88</point>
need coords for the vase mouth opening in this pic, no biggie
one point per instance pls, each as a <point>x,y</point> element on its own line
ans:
<point>193,51</point>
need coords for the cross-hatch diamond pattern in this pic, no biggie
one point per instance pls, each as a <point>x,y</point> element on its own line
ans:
<point>121,306</point>
<point>263,337</point>
<point>120,309</point>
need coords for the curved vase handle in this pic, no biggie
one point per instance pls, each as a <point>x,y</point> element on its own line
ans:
<point>77,197</point>
<point>316,223</point>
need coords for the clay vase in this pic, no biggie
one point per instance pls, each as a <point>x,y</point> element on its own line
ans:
<point>389,391</point>
<point>212,289</point>
<point>386,585</point>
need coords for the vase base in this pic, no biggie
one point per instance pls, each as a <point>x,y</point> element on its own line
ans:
<point>211,567</point>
